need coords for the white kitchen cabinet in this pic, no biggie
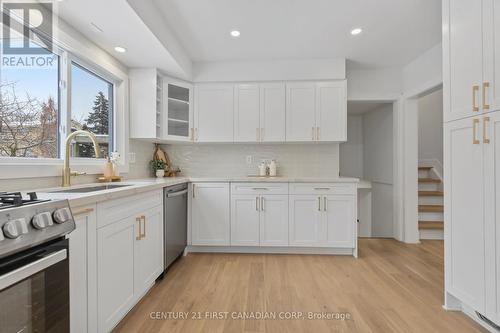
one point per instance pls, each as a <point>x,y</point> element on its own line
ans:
<point>305,220</point>
<point>81,244</point>
<point>245,216</point>
<point>146,104</point>
<point>116,247</point>
<point>331,111</point>
<point>464,211</point>
<point>178,123</point>
<point>149,250</point>
<point>316,111</point>
<point>300,111</point>
<point>210,214</point>
<point>214,105</point>
<point>491,53</point>
<point>272,112</point>
<point>273,220</point>
<point>246,113</point>
<point>339,214</point>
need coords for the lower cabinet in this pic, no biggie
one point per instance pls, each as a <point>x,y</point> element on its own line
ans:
<point>210,214</point>
<point>129,259</point>
<point>323,221</point>
<point>260,220</point>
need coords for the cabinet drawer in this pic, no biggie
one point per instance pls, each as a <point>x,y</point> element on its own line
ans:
<point>259,188</point>
<point>323,188</point>
<point>117,209</point>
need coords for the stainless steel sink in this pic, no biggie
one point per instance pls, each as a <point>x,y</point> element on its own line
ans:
<point>90,189</point>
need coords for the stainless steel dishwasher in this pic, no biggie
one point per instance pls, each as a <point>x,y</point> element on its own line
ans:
<point>175,222</point>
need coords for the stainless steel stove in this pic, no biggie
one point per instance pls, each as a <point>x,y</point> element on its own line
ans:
<point>34,269</point>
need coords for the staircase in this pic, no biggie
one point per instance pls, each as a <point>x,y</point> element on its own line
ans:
<point>430,204</point>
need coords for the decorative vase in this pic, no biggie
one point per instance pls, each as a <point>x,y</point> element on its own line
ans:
<point>160,173</point>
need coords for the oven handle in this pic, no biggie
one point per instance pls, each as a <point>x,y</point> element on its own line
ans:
<point>176,194</point>
<point>30,269</point>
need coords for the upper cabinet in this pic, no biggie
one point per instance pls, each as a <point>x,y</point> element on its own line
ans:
<point>316,111</point>
<point>471,53</point>
<point>146,104</point>
<point>178,123</point>
<point>213,107</point>
<point>259,112</point>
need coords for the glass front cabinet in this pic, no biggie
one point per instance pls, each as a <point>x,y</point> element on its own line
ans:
<point>178,111</point>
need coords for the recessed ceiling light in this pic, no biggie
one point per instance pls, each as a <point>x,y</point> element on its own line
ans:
<point>235,33</point>
<point>356,31</point>
<point>120,49</point>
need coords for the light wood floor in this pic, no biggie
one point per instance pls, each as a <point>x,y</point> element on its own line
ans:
<point>392,287</point>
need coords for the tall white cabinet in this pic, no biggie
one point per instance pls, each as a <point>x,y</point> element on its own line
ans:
<point>471,74</point>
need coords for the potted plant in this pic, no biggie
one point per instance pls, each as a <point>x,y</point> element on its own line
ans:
<point>158,167</point>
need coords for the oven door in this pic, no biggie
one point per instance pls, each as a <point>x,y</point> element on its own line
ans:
<point>34,290</point>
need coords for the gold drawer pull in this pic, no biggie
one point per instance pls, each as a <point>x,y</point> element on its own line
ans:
<point>143,218</point>
<point>486,120</point>
<point>84,211</point>
<point>319,204</point>
<point>475,90</point>
<point>486,85</point>
<point>475,124</point>
<point>138,220</point>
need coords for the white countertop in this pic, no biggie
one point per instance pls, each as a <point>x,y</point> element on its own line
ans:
<point>148,184</point>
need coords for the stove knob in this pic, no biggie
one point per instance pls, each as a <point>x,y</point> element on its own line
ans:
<point>42,220</point>
<point>15,228</point>
<point>62,215</point>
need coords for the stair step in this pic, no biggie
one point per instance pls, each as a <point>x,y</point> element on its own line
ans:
<point>424,168</point>
<point>431,208</point>
<point>429,180</point>
<point>430,193</point>
<point>434,225</point>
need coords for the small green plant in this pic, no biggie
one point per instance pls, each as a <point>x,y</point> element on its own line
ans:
<point>157,165</point>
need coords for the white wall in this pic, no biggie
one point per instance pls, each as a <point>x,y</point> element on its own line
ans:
<point>378,167</point>
<point>293,160</point>
<point>374,85</point>
<point>430,127</point>
<point>423,72</point>
<point>351,152</point>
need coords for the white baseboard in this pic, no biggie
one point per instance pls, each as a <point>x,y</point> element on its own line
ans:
<point>271,250</point>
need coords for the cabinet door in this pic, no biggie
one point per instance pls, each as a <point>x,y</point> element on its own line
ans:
<point>300,112</point>
<point>339,220</point>
<point>491,204</point>
<point>214,105</point>
<point>245,220</point>
<point>464,211</point>
<point>491,54</point>
<point>149,250</point>
<point>274,220</point>
<point>305,220</point>
<point>246,113</point>
<point>331,111</point>
<point>115,271</point>
<point>78,268</point>
<point>179,111</point>
<point>210,214</point>
<point>272,112</point>
<point>463,44</point>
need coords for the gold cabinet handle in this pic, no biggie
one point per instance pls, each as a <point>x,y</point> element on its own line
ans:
<point>475,124</point>
<point>319,204</point>
<point>262,203</point>
<point>475,90</point>
<point>486,121</point>
<point>143,218</point>
<point>84,211</point>
<point>257,203</point>
<point>486,86</point>
<point>138,220</point>
<point>324,204</point>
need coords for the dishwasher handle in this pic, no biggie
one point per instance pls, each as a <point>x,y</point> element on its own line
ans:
<point>176,194</point>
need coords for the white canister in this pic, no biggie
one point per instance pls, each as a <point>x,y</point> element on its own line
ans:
<point>160,173</point>
<point>272,168</point>
<point>262,169</point>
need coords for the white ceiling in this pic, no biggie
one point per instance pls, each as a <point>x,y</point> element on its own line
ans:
<point>395,31</point>
<point>356,108</point>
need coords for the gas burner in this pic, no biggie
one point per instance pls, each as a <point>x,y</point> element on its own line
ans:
<point>16,199</point>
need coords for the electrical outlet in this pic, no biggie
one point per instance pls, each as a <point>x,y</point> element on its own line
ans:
<point>249,159</point>
<point>131,157</point>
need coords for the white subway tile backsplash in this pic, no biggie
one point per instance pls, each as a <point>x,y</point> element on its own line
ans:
<point>293,160</point>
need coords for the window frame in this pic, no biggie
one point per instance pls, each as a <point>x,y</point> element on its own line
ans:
<point>79,53</point>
